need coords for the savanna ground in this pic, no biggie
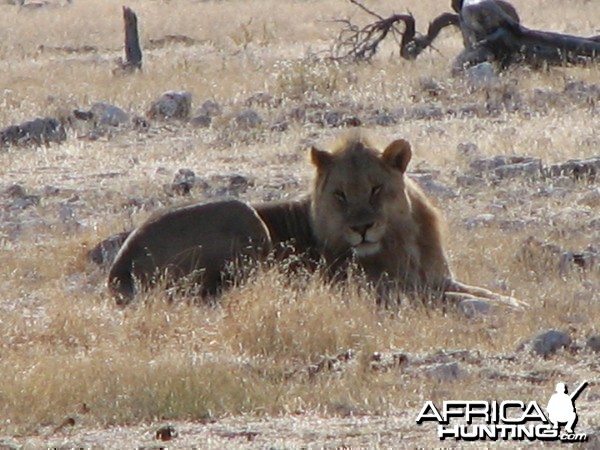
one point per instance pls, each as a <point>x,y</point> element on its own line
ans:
<point>268,366</point>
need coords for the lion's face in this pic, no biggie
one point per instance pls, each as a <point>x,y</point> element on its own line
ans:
<point>358,193</point>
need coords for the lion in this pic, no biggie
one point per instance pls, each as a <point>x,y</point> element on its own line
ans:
<point>196,242</point>
<point>363,209</point>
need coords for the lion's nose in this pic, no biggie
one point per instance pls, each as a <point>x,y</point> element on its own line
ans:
<point>362,229</point>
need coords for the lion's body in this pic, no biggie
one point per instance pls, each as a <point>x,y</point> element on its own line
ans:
<point>362,209</point>
<point>198,240</point>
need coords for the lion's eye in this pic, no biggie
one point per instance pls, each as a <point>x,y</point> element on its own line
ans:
<point>376,190</point>
<point>340,196</point>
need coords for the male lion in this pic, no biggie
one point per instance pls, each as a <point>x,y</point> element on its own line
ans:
<point>362,209</point>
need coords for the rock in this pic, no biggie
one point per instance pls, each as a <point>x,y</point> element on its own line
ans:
<point>233,185</point>
<point>472,308</point>
<point>445,372</point>
<point>15,191</point>
<point>469,180</point>
<point>105,252</point>
<point>336,118</point>
<point>210,108</point>
<point>531,168</point>
<point>166,433</point>
<point>577,169</point>
<point>384,119</point>
<point>201,121</point>
<point>426,113</point>
<point>584,260</point>
<point>549,342</point>
<point>481,75</point>
<point>25,202</point>
<point>582,91</point>
<point>171,105</point>
<point>247,119</point>
<point>433,187</point>
<point>103,114</point>
<point>593,343</point>
<point>431,87</point>
<point>489,164</point>
<point>36,132</point>
<point>184,181</point>
<point>280,126</point>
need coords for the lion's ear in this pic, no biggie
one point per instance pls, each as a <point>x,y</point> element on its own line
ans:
<point>320,158</point>
<point>398,154</point>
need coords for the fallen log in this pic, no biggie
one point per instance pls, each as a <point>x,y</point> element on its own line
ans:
<point>492,32</point>
<point>491,29</point>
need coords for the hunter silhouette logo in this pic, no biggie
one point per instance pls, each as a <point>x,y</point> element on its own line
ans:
<point>506,420</point>
<point>561,407</point>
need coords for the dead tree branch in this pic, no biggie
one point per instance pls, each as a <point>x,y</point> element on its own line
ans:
<point>491,30</point>
<point>361,44</point>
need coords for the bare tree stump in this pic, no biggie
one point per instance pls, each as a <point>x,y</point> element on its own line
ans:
<point>133,51</point>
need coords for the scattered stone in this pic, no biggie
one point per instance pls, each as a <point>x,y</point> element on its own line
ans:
<point>210,108</point>
<point>171,105</point>
<point>584,260</point>
<point>280,126</point>
<point>205,114</point>
<point>431,87</point>
<point>469,180</point>
<point>50,191</point>
<point>433,187</point>
<point>578,169</point>
<point>25,202</point>
<point>245,434</point>
<point>388,361</point>
<point>549,342</point>
<point>166,433</point>
<point>542,255</point>
<point>426,113</point>
<point>340,119</point>
<point>103,114</point>
<point>15,191</point>
<point>582,91</point>
<point>472,110</point>
<point>481,75</point>
<point>531,168</point>
<point>384,119</point>
<point>593,343</point>
<point>489,164</point>
<point>248,119</point>
<point>184,181</point>
<point>105,252</point>
<point>201,121</point>
<point>444,373</point>
<point>36,132</point>
<point>472,308</point>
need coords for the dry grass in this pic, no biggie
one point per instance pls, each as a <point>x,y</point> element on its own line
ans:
<point>68,352</point>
